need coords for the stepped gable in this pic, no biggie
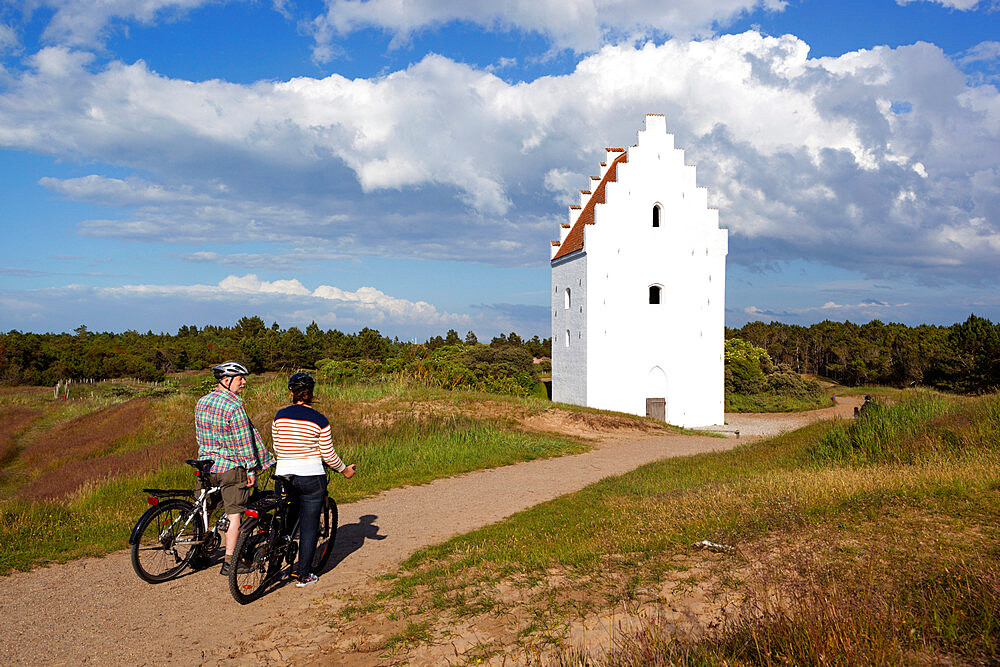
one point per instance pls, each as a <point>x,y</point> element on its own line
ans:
<point>574,240</point>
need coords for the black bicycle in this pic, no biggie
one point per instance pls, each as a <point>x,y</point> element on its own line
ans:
<point>180,525</point>
<point>269,540</point>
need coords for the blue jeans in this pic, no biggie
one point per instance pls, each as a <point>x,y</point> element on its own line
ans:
<point>312,491</point>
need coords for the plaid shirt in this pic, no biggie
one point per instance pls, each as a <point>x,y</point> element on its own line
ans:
<point>225,434</point>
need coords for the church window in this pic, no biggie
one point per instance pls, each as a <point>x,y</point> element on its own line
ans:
<point>567,337</point>
<point>567,299</point>
<point>656,215</point>
<point>654,294</point>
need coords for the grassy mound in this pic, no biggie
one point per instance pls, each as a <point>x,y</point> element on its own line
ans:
<point>868,541</point>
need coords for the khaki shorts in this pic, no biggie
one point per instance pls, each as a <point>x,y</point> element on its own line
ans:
<point>235,492</point>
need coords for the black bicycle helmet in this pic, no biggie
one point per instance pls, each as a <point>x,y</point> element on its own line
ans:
<point>301,381</point>
<point>229,369</point>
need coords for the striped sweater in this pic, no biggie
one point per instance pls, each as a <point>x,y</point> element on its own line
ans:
<point>302,441</point>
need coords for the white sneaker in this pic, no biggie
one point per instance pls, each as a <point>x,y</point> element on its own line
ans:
<point>309,579</point>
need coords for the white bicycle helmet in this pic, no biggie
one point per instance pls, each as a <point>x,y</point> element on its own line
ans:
<point>229,369</point>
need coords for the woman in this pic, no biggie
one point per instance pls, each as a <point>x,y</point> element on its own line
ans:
<point>302,442</point>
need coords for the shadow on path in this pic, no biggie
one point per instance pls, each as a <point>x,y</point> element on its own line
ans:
<point>351,537</point>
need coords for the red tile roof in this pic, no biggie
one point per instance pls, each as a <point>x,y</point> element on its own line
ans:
<point>574,240</point>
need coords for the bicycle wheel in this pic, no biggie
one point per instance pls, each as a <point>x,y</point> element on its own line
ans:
<point>168,536</point>
<point>327,535</point>
<point>254,563</point>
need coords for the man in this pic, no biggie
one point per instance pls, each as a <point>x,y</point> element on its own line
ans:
<point>864,406</point>
<point>226,436</point>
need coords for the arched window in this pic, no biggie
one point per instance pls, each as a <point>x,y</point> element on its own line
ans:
<point>656,215</point>
<point>567,337</point>
<point>654,294</point>
<point>567,299</point>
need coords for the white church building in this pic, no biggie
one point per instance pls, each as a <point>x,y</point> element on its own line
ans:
<point>638,289</point>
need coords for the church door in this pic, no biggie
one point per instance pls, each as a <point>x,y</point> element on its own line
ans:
<point>656,394</point>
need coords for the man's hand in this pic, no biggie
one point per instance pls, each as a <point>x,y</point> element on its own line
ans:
<point>349,471</point>
<point>251,480</point>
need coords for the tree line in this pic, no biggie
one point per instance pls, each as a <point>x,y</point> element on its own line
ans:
<point>963,357</point>
<point>44,359</point>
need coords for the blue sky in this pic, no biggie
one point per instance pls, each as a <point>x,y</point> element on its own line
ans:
<point>402,165</point>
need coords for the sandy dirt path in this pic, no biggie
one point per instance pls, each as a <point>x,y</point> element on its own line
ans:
<point>96,610</point>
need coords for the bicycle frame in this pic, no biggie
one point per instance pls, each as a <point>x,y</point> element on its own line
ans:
<point>273,513</point>
<point>200,509</point>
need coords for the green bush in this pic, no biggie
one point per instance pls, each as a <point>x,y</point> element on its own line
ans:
<point>501,369</point>
<point>341,370</point>
<point>746,367</point>
<point>754,384</point>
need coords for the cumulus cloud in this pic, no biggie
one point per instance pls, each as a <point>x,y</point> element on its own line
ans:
<point>880,160</point>
<point>364,304</point>
<point>287,301</point>
<point>865,310</point>
<point>580,25</point>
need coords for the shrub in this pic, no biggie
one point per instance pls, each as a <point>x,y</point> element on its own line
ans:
<point>746,367</point>
<point>501,369</point>
<point>916,427</point>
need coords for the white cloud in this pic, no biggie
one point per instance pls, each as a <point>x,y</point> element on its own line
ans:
<point>101,190</point>
<point>296,258</point>
<point>8,39</point>
<point>868,308</point>
<point>86,22</point>
<point>805,157</point>
<point>964,5</point>
<point>364,306</point>
<point>988,50</point>
<point>580,25</point>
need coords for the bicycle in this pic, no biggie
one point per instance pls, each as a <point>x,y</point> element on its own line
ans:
<point>270,538</point>
<point>178,527</point>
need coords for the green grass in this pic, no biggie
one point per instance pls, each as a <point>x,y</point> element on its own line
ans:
<point>419,452</point>
<point>776,402</point>
<point>912,502</point>
<point>397,433</point>
<point>897,432</point>
<point>92,522</point>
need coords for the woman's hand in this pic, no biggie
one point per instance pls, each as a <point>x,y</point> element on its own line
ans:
<point>349,471</point>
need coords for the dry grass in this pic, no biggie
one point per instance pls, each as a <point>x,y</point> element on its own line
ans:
<point>884,553</point>
<point>87,435</point>
<point>70,478</point>
<point>833,596</point>
<point>59,457</point>
<point>13,420</point>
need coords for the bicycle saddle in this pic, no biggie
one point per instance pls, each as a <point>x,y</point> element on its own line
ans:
<point>203,466</point>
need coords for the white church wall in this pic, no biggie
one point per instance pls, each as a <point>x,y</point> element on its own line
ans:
<point>569,330</point>
<point>683,335</point>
